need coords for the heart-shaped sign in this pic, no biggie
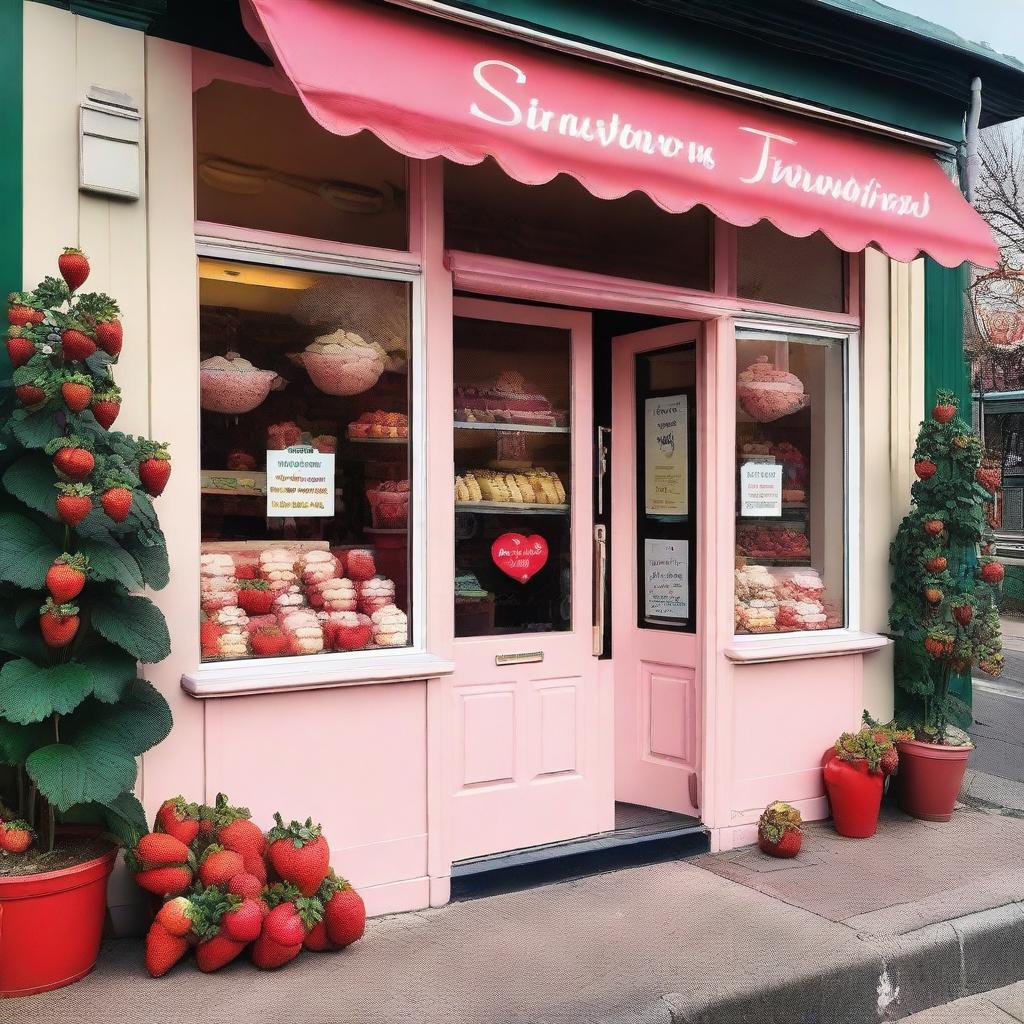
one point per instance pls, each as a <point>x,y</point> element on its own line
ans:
<point>518,556</point>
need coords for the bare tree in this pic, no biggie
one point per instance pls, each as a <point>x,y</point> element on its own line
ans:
<point>1000,193</point>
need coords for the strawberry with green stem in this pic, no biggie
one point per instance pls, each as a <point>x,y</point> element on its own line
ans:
<point>116,496</point>
<point>74,267</point>
<point>101,313</point>
<point>76,343</point>
<point>299,853</point>
<point>58,623</point>
<point>106,404</point>
<point>154,467</point>
<point>15,836</point>
<point>344,911</point>
<point>209,911</point>
<point>23,308</point>
<point>20,347</point>
<point>66,577</point>
<point>74,502</point>
<point>76,390</point>
<point>179,818</point>
<point>72,458</point>
<point>255,597</point>
<point>234,829</point>
<point>291,918</point>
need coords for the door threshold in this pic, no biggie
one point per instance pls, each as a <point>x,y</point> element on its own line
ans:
<point>577,858</point>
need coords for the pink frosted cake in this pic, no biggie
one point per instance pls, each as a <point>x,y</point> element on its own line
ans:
<point>509,399</point>
<point>767,393</point>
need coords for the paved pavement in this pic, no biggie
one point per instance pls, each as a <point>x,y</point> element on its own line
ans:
<point>1003,1006</point>
<point>851,932</point>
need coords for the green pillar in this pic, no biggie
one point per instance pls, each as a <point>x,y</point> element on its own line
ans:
<point>945,367</point>
<point>11,212</point>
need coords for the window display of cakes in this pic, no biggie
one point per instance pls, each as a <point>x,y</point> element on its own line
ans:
<point>766,392</point>
<point>509,398</point>
<point>781,600</point>
<point>531,487</point>
<point>379,425</point>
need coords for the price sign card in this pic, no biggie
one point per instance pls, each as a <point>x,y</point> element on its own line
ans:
<point>666,579</point>
<point>300,482</point>
<point>760,489</point>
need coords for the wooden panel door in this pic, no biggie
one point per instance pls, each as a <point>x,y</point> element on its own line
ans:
<point>656,393</point>
<point>530,735</point>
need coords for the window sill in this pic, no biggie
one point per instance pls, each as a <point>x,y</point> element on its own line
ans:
<point>282,675</point>
<point>754,650</point>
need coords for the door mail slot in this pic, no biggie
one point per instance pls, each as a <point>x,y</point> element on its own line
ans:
<point>518,659</point>
<point>110,129</point>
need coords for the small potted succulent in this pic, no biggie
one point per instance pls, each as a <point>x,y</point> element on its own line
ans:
<point>779,832</point>
<point>854,773</point>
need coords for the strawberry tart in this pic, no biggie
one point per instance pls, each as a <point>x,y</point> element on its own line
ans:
<point>767,393</point>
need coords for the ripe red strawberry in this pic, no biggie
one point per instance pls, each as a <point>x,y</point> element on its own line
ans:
<point>219,866</point>
<point>944,411</point>
<point>175,916</point>
<point>209,634</point>
<point>284,925</point>
<point>30,394</point>
<point>74,267</point>
<point>267,641</point>
<point>299,854</point>
<point>934,527</point>
<point>76,345</point>
<point>963,613</point>
<point>244,922</point>
<point>109,336</point>
<point>77,393</point>
<point>58,623</point>
<point>932,595</point>
<point>925,468</point>
<point>246,885</point>
<point>15,836</point>
<point>234,829</point>
<point>73,462</point>
<point>257,867</point>
<point>359,565</point>
<point>213,954</point>
<point>179,819</point>
<point>989,478</point>
<point>159,849</point>
<point>154,473</point>
<point>344,911</point>
<point>935,647</point>
<point>317,940</point>
<point>255,597</point>
<point>105,408</point>
<point>117,503</point>
<point>291,914</point>
<point>890,761</point>
<point>268,955</point>
<point>352,638</point>
<point>20,351</point>
<point>992,572</point>
<point>19,315</point>
<point>166,881</point>
<point>74,503</point>
<point>788,845</point>
<point>163,950</point>
<point>936,564</point>
<point>66,577</point>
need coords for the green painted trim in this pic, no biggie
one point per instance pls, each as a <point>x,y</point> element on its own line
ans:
<point>136,14</point>
<point>11,108</point>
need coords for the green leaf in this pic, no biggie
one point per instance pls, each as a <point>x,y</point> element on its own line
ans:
<point>30,692</point>
<point>137,722</point>
<point>152,560</point>
<point>25,551</point>
<point>126,819</point>
<point>36,429</point>
<point>92,768</point>
<point>22,643</point>
<point>111,670</point>
<point>18,741</point>
<point>111,562</point>
<point>31,481</point>
<point>134,624</point>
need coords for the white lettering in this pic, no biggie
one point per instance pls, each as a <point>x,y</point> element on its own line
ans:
<point>516,115</point>
<point>763,165</point>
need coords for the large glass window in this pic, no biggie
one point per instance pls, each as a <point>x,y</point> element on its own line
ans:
<point>790,482</point>
<point>511,404</point>
<point>305,440</point>
<point>263,162</point>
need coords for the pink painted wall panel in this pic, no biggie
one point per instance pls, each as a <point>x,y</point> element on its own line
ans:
<point>488,735</point>
<point>558,737</point>
<point>671,713</point>
<point>314,754</point>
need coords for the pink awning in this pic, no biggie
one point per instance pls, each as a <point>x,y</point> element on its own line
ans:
<point>430,88</point>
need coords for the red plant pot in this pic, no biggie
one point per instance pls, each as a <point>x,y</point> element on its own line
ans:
<point>788,846</point>
<point>929,779</point>
<point>51,925</point>
<point>855,794</point>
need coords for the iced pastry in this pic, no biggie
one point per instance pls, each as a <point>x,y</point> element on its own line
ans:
<point>534,486</point>
<point>315,566</point>
<point>343,363</point>
<point>305,634</point>
<point>338,595</point>
<point>379,424</point>
<point>375,594</point>
<point>390,627</point>
<point>277,567</point>
<point>767,393</point>
<point>801,615</point>
<point>757,616</point>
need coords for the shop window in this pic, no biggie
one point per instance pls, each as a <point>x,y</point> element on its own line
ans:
<point>262,162</point>
<point>305,442</point>
<point>512,462</point>
<point>790,483</point>
<point>560,224</point>
<point>775,267</point>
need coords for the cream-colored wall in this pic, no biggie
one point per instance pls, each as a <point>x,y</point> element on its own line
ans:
<point>892,390</point>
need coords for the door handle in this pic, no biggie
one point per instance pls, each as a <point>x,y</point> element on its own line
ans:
<point>600,571</point>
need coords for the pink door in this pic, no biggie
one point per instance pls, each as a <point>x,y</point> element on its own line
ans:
<point>654,563</point>
<point>529,725</point>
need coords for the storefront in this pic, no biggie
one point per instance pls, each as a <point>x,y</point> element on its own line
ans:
<point>532,426</point>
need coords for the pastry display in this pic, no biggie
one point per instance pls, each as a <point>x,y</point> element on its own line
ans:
<point>231,384</point>
<point>379,425</point>
<point>509,398</point>
<point>389,504</point>
<point>532,486</point>
<point>768,393</point>
<point>375,594</point>
<point>772,542</point>
<point>390,627</point>
<point>241,461</point>
<point>343,363</point>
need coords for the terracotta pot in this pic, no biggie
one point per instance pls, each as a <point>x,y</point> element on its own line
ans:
<point>855,795</point>
<point>788,846</point>
<point>929,778</point>
<point>51,924</point>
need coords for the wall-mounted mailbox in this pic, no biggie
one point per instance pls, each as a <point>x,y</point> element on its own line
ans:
<point>110,130</point>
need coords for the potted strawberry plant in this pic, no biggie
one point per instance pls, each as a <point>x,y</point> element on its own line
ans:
<point>778,830</point>
<point>854,773</point>
<point>78,540</point>
<point>944,615</point>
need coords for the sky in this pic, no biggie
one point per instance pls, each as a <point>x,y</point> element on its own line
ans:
<point>999,23</point>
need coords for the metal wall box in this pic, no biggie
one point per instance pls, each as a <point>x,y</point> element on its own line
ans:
<point>110,131</point>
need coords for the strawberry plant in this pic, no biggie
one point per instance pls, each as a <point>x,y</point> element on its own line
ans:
<point>79,540</point>
<point>944,614</point>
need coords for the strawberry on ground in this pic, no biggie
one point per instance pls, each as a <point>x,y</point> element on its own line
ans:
<point>77,391</point>
<point>158,849</point>
<point>344,910</point>
<point>316,939</point>
<point>176,915</point>
<point>74,267</point>
<point>163,950</point>
<point>267,955</point>
<point>15,836</point>
<point>74,503</point>
<point>213,954</point>
<point>299,853</point>
<point>244,922</point>
<point>58,623</point>
<point>291,914</point>
<point>169,881</point>
<point>246,885</point>
<point>117,502</point>
<point>105,406</point>
<point>20,350</point>
<point>178,818</point>
<point>234,829</point>
<point>66,577</point>
<point>218,866</point>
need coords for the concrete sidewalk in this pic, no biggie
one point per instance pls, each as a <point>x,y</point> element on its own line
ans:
<point>1003,1006</point>
<point>852,931</point>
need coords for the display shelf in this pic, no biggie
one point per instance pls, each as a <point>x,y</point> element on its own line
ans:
<point>795,560</point>
<point>234,482</point>
<point>510,428</point>
<point>377,440</point>
<point>525,507</point>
